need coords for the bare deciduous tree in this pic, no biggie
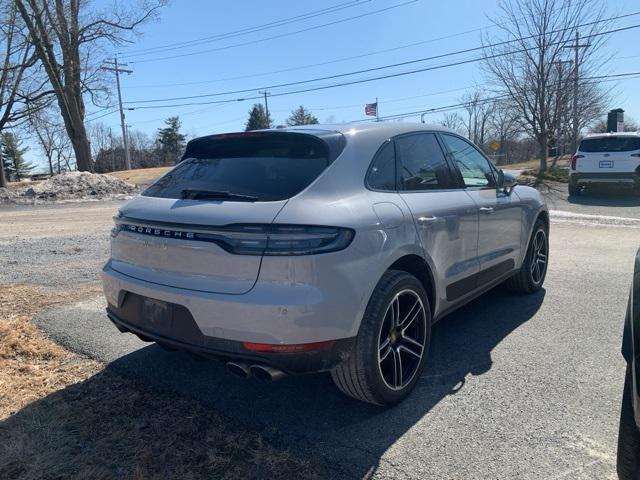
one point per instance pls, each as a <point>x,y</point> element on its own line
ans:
<point>101,137</point>
<point>454,121</point>
<point>479,110</point>
<point>17,58</point>
<point>537,34</point>
<point>68,41</point>
<point>504,125</point>
<point>53,140</point>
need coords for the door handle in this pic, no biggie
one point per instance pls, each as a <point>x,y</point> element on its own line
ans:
<point>427,220</point>
<point>486,210</point>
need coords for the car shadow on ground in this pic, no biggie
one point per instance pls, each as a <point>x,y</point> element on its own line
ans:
<point>307,414</point>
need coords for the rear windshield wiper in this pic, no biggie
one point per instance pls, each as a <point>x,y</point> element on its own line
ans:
<point>194,193</point>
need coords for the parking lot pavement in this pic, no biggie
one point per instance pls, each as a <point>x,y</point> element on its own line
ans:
<point>610,202</point>
<point>517,386</point>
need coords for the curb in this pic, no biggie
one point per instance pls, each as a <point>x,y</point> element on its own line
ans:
<point>561,216</point>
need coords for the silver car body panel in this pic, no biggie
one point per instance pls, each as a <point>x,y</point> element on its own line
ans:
<point>311,298</point>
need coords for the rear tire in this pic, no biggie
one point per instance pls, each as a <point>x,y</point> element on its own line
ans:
<point>392,345</point>
<point>628,461</point>
<point>533,271</point>
<point>574,190</point>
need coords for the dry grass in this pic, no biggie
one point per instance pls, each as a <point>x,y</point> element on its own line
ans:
<point>557,175</point>
<point>64,416</point>
<point>32,366</point>
<point>23,184</point>
<point>534,164</point>
<point>141,176</point>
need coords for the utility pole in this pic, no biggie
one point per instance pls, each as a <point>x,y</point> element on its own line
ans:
<point>559,104</point>
<point>115,67</point>
<point>113,152</point>
<point>266,104</point>
<point>576,49</point>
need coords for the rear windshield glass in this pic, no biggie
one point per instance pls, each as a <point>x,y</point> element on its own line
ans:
<point>610,144</point>
<point>265,166</point>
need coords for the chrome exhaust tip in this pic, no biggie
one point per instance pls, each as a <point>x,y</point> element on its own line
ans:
<point>265,373</point>
<point>239,369</point>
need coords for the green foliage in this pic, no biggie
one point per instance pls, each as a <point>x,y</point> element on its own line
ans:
<point>170,140</point>
<point>15,166</point>
<point>301,116</point>
<point>258,118</point>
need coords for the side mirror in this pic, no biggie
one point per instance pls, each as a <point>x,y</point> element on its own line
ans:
<point>506,182</point>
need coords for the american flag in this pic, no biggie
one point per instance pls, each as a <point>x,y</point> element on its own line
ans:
<point>371,109</point>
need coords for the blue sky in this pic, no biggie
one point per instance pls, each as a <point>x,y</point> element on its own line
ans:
<point>422,21</point>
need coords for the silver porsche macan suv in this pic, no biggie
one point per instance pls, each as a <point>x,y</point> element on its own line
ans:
<point>321,248</point>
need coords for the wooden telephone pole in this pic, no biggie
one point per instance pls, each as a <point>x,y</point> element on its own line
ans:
<point>117,68</point>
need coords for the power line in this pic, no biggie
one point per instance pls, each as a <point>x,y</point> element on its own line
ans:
<point>319,64</point>
<point>354,82</point>
<point>101,116</point>
<point>394,100</point>
<point>393,65</point>
<point>246,30</point>
<point>456,106</point>
<point>273,37</point>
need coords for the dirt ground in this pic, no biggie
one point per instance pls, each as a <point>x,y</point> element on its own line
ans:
<point>63,415</point>
<point>141,176</point>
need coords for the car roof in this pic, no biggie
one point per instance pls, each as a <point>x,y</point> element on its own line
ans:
<point>611,134</point>
<point>374,132</point>
<point>388,129</point>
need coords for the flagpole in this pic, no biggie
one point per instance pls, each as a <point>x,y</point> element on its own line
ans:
<point>377,110</point>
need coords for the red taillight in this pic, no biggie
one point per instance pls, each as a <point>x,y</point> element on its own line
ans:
<point>293,348</point>
<point>574,160</point>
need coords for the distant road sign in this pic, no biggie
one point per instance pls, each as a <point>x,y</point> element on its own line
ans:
<point>494,146</point>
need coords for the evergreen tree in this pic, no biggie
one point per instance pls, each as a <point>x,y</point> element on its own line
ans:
<point>258,118</point>
<point>301,116</point>
<point>171,141</point>
<point>15,166</point>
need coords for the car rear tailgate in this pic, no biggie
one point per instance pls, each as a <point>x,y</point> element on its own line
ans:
<point>150,248</point>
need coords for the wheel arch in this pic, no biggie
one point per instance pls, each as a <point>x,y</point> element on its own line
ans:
<point>544,216</point>
<point>419,268</point>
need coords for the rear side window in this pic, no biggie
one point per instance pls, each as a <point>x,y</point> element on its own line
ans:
<point>266,166</point>
<point>610,144</point>
<point>382,174</point>
<point>422,164</point>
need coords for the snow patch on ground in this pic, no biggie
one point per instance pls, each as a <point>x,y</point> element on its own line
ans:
<point>71,186</point>
<point>561,216</point>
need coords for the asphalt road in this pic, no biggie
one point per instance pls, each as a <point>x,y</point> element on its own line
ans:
<point>517,386</point>
<point>597,202</point>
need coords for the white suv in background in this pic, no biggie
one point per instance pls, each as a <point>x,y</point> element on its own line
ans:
<point>606,158</point>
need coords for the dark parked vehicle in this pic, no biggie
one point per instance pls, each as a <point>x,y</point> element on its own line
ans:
<point>629,434</point>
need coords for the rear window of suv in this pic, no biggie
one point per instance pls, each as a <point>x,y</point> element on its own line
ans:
<point>262,166</point>
<point>610,144</point>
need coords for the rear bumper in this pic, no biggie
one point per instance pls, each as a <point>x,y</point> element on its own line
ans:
<point>275,312</point>
<point>188,337</point>
<point>631,179</point>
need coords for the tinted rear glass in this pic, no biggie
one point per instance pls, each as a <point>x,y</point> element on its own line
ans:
<point>270,166</point>
<point>610,144</point>
<point>382,174</point>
